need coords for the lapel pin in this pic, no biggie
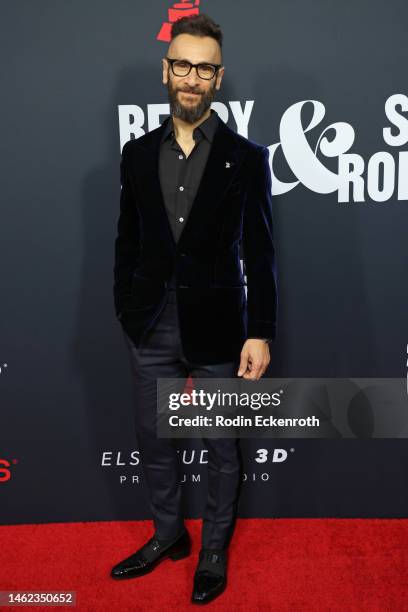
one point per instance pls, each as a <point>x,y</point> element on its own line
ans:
<point>228,164</point>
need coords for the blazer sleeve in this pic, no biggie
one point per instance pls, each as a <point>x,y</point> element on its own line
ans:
<point>259,252</point>
<point>127,243</point>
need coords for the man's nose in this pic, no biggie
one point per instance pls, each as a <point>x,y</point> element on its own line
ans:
<point>193,79</point>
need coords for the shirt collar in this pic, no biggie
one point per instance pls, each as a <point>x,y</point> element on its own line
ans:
<point>207,127</point>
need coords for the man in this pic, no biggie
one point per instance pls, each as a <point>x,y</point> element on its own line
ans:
<point>192,191</point>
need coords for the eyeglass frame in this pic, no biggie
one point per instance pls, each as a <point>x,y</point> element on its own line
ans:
<point>172,60</point>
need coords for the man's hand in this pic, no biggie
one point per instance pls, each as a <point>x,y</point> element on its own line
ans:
<point>255,358</point>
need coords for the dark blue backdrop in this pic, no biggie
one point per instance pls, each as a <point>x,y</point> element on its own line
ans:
<point>74,75</point>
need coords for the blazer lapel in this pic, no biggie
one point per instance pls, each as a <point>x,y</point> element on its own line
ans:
<point>222,164</point>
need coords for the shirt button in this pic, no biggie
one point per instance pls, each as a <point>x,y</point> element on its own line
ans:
<point>181,188</point>
<point>180,157</point>
<point>181,219</point>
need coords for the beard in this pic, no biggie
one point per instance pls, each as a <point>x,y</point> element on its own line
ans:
<point>192,112</point>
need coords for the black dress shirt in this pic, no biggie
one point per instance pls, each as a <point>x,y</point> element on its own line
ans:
<point>180,176</point>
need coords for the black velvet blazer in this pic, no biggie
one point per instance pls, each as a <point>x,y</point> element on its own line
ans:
<point>233,205</point>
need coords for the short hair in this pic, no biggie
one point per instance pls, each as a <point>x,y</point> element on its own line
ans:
<point>197,25</point>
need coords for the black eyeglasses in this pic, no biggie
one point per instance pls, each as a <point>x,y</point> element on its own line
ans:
<point>182,68</point>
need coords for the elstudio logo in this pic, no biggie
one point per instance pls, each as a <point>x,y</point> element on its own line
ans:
<point>190,457</point>
<point>259,464</point>
<point>175,12</point>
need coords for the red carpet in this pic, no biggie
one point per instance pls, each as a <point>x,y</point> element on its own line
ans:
<point>298,564</point>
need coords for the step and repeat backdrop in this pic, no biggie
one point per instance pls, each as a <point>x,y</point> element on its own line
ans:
<point>324,86</point>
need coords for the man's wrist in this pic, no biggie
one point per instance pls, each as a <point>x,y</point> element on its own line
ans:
<point>266,340</point>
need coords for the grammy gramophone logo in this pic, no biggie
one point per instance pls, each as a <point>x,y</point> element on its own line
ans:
<point>174,13</point>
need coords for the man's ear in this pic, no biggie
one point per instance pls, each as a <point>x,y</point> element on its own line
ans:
<point>220,75</point>
<point>165,70</point>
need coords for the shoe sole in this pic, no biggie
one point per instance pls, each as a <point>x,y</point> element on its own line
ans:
<point>173,556</point>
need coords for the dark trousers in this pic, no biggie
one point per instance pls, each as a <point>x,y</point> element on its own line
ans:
<point>161,356</point>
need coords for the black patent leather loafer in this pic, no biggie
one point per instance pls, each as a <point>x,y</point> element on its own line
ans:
<point>150,555</point>
<point>210,578</point>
